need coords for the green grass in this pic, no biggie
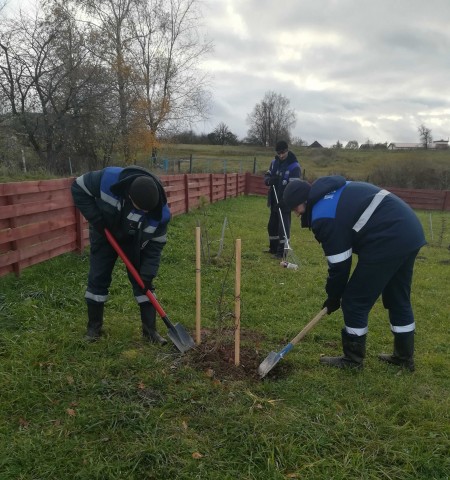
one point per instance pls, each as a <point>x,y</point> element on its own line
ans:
<point>356,165</point>
<point>121,409</point>
<point>376,166</point>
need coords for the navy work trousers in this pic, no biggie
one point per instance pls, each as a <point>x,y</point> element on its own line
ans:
<point>392,280</point>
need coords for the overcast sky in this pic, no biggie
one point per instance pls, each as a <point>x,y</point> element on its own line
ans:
<point>351,69</point>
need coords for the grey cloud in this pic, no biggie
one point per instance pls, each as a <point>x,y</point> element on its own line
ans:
<point>390,61</point>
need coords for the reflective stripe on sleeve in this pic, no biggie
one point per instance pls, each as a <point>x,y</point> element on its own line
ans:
<point>111,200</point>
<point>340,257</point>
<point>364,218</point>
<point>80,182</point>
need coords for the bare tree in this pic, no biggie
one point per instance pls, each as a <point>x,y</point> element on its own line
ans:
<point>169,85</point>
<point>36,80</point>
<point>111,25</point>
<point>222,135</point>
<point>152,48</point>
<point>425,135</point>
<point>108,81</point>
<point>54,88</point>
<point>271,120</point>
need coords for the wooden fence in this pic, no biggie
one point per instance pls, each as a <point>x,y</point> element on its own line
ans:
<point>39,221</point>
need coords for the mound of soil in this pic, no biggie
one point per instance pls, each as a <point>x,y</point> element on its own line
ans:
<point>215,356</point>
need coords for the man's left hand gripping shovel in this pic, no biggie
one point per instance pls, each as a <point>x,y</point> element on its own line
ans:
<point>177,333</point>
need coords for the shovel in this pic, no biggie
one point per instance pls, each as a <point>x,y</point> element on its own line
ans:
<point>177,333</point>
<point>273,358</point>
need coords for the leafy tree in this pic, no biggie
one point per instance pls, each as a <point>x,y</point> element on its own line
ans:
<point>337,145</point>
<point>271,120</point>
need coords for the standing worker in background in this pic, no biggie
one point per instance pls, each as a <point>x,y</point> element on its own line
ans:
<point>132,204</point>
<point>357,217</point>
<point>282,170</point>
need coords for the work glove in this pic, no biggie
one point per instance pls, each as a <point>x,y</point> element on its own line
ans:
<point>270,181</point>
<point>332,304</point>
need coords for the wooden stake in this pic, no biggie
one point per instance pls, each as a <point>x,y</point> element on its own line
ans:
<point>237,305</point>
<point>198,286</point>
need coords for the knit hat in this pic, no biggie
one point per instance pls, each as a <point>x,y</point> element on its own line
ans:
<point>281,146</point>
<point>296,193</point>
<point>144,193</point>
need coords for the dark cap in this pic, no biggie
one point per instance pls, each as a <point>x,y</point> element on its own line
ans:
<point>296,193</point>
<point>144,193</point>
<point>281,146</point>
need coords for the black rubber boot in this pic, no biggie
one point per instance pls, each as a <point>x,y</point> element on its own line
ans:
<point>148,317</point>
<point>354,352</point>
<point>403,355</point>
<point>95,321</point>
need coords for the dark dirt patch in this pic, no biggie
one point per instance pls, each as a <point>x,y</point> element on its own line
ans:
<point>215,356</point>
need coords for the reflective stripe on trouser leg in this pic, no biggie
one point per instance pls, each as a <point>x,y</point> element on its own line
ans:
<point>366,284</point>
<point>284,231</point>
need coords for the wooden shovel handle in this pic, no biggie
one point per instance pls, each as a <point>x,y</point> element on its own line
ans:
<point>309,326</point>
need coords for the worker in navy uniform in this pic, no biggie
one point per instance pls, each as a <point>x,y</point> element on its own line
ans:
<point>282,170</point>
<point>132,204</point>
<point>383,231</point>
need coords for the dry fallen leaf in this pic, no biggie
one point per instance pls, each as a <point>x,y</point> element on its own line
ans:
<point>197,455</point>
<point>184,425</point>
<point>23,423</point>
<point>70,380</point>
<point>141,386</point>
<point>71,412</point>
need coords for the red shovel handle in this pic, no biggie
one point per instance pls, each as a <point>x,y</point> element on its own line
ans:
<point>134,272</point>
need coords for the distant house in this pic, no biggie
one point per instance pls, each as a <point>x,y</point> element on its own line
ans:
<point>315,144</point>
<point>436,145</point>
<point>404,146</point>
<point>440,144</point>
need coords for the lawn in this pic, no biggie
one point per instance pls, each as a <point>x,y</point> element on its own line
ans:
<point>123,409</point>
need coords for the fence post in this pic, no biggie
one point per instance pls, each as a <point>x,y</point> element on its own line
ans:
<point>211,190</point>
<point>15,244</point>
<point>226,185</point>
<point>190,163</point>
<point>254,165</point>
<point>247,183</point>
<point>186,192</point>
<point>79,231</point>
<point>446,205</point>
